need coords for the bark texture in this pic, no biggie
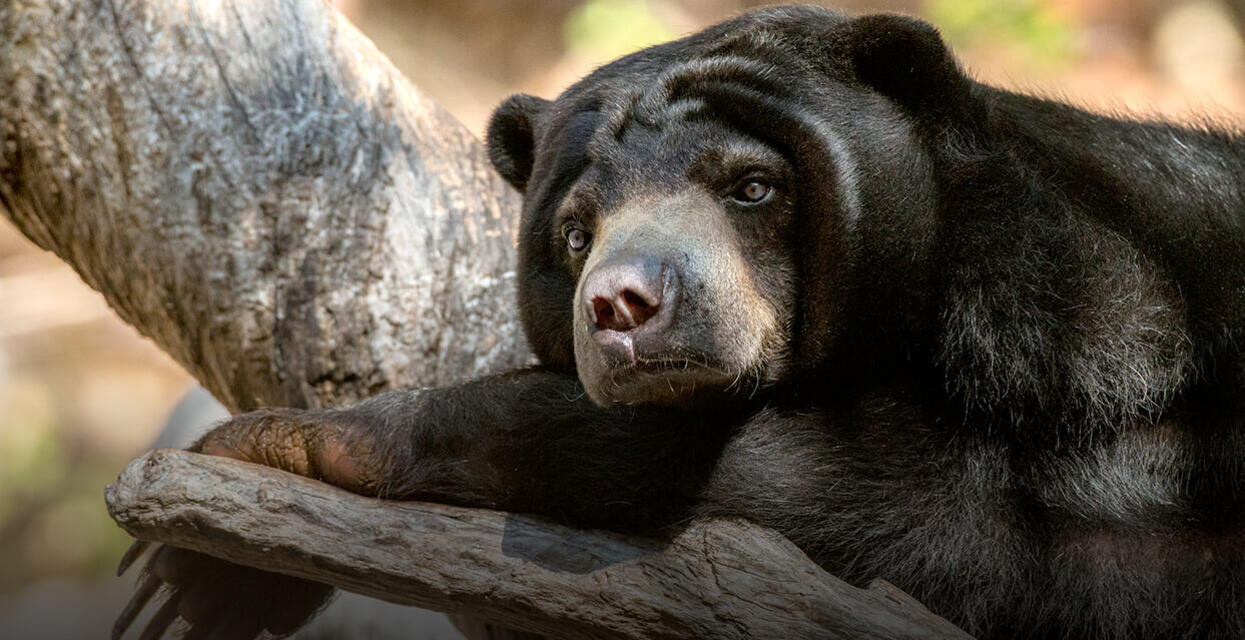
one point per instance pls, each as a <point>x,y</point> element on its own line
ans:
<point>717,579</point>
<point>253,186</point>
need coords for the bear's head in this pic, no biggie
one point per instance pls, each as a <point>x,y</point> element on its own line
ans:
<point>736,209</point>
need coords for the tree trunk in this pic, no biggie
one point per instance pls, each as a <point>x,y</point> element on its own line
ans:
<point>254,187</point>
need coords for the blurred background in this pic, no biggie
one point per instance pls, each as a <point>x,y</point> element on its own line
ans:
<point>81,393</point>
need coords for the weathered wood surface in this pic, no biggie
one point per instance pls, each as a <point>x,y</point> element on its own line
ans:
<point>718,579</point>
<point>252,185</point>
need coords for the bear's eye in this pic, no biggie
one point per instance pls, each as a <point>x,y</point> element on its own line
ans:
<point>577,239</point>
<point>752,192</point>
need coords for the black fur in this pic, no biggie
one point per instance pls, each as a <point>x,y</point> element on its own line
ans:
<point>1017,382</point>
<point>1002,366</point>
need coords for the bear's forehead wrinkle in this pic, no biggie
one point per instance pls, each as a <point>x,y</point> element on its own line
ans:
<point>670,148</point>
<point>685,77</point>
<point>670,95</point>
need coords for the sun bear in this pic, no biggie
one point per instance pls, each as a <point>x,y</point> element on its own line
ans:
<point>800,268</point>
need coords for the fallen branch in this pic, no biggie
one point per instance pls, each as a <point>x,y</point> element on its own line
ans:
<point>717,579</point>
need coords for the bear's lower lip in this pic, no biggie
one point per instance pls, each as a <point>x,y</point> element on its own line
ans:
<point>667,382</point>
<point>625,352</point>
<point>620,351</point>
<point>617,347</point>
<point>664,365</point>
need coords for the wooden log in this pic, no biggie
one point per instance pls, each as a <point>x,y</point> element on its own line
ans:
<point>717,579</point>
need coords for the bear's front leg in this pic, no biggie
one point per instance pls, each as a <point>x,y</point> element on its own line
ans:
<point>527,441</point>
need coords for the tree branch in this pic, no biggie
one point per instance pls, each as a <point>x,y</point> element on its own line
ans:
<point>255,188</point>
<point>717,579</point>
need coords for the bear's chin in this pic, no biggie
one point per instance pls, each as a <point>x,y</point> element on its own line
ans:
<point>673,383</point>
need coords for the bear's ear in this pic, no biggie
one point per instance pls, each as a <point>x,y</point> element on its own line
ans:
<point>906,60</point>
<point>511,137</point>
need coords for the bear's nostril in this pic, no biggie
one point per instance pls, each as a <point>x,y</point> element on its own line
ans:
<point>603,312</point>
<point>637,307</point>
<point>634,300</point>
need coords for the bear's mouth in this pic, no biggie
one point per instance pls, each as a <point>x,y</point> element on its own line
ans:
<point>673,382</point>
<point>634,370</point>
<point>678,365</point>
<point>675,375</point>
<point>625,352</point>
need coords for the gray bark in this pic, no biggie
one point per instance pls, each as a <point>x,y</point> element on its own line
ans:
<point>254,187</point>
<point>717,579</point>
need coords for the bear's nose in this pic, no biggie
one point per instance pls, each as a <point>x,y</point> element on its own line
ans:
<point>623,295</point>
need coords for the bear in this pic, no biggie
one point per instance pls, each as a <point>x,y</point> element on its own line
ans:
<point>800,268</point>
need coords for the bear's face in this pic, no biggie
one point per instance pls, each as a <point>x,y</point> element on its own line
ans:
<point>693,213</point>
<point>676,238</point>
